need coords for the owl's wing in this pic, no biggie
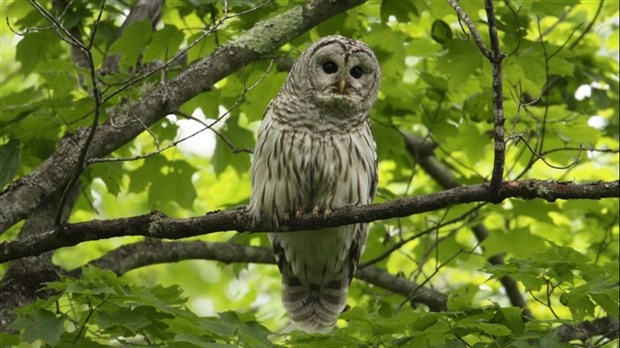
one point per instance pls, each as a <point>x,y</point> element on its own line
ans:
<point>374,170</point>
<point>357,248</point>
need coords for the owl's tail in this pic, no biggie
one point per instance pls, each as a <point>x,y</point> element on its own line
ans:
<point>314,308</point>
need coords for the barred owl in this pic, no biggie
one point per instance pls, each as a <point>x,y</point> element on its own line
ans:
<point>315,152</point>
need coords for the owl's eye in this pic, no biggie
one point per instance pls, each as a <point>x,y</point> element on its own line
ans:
<point>330,67</point>
<point>356,72</point>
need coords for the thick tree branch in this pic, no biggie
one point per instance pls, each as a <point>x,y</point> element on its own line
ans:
<point>152,251</point>
<point>24,278</point>
<point>606,327</point>
<point>157,225</point>
<point>265,37</point>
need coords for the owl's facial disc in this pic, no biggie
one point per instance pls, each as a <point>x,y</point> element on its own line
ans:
<point>342,77</point>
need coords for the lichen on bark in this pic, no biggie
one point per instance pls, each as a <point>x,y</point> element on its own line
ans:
<point>270,34</point>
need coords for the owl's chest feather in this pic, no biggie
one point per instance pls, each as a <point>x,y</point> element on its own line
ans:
<point>328,169</point>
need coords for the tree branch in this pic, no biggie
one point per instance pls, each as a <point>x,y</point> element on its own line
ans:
<point>496,59</point>
<point>472,28</point>
<point>24,278</point>
<point>157,225</point>
<point>152,251</point>
<point>606,327</point>
<point>265,37</point>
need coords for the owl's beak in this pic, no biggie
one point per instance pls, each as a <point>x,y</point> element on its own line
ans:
<point>342,85</point>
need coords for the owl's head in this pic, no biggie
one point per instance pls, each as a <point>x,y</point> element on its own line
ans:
<point>339,72</point>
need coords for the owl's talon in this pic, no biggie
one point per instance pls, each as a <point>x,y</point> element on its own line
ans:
<point>299,213</point>
<point>286,217</point>
<point>315,211</point>
<point>327,212</point>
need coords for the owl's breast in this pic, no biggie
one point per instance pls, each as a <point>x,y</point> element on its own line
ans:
<point>296,169</point>
<point>344,170</point>
<point>326,165</point>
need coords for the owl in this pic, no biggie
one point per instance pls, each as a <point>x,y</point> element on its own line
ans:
<point>315,152</point>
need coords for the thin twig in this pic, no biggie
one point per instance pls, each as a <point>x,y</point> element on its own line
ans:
<point>225,139</point>
<point>515,14</point>
<point>437,269</point>
<point>26,31</point>
<point>133,80</point>
<point>400,244</point>
<point>472,29</point>
<point>590,25</point>
<point>542,157</point>
<point>181,52</point>
<point>246,90</point>
<point>561,19</point>
<point>61,30</point>
<point>556,79</point>
<point>496,59</point>
<point>544,95</point>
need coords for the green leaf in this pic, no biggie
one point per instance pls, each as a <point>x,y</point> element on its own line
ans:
<point>249,331</point>
<point>494,329</point>
<point>59,77</point>
<point>207,102</point>
<point>164,44</point>
<point>402,10</point>
<point>521,270</point>
<point>9,161</point>
<point>175,186</point>
<point>512,318</point>
<point>519,242</point>
<point>130,321</point>
<point>470,141</point>
<point>608,302</point>
<point>561,66</point>
<point>536,209</point>
<point>195,341</point>
<point>580,307</point>
<point>34,48</point>
<point>131,44</point>
<point>8,340</point>
<point>141,177</point>
<point>462,62</point>
<point>41,324</point>
<point>223,157</point>
<point>112,174</point>
<point>441,31</point>
<point>206,46</point>
<point>479,107</point>
<point>460,299</point>
<point>436,82</point>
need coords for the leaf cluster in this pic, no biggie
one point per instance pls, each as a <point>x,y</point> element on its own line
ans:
<point>99,309</point>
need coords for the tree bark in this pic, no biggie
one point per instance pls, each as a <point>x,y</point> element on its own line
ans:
<point>158,225</point>
<point>24,278</point>
<point>152,251</point>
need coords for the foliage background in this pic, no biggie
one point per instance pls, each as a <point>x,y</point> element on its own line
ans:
<point>561,105</point>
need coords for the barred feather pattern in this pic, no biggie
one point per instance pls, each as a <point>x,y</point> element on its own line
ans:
<point>315,152</point>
